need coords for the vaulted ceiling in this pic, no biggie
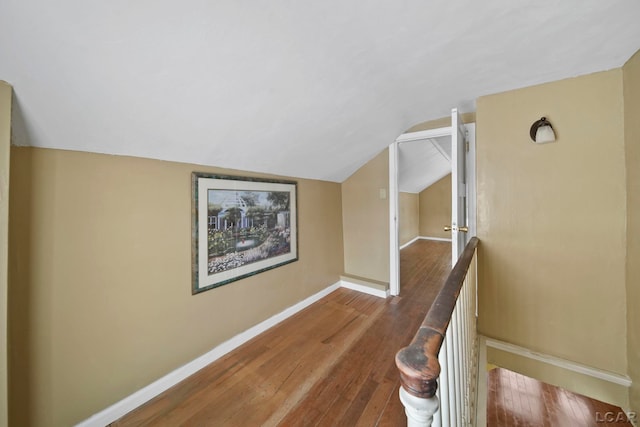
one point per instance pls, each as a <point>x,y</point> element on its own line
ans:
<point>423,162</point>
<point>304,89</point>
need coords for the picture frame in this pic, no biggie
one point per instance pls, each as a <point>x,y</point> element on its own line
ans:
<point>240,227</point>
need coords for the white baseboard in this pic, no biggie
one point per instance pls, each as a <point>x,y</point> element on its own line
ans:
<point>410,242</point>
<point>560,363</point>
<point>128,404</point>
<point>364,289</point>
<point>438,239</point>
<point>415,239</point>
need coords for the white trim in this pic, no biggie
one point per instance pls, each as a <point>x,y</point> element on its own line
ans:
<point>415,239</point>
<point>424,134</point>
<point>394,250</point>
<point>611,377</point>
<point>437,239</point>
<point>458,186</point>
<point>364,289</point>
<point>128,404</point>
<point>472,201</point>
<point>410,242</point>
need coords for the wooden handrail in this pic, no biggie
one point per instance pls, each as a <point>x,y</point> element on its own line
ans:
<point>418,362</point>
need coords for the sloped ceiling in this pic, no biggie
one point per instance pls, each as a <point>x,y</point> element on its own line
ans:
<point>422,163</point>
<point>304,89</point>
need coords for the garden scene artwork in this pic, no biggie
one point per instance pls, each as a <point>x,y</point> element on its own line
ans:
<point>246,226</point>
<point>242,227</point>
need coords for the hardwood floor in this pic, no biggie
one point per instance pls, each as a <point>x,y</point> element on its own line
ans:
<point>331,364</point>
<point>516,400</point>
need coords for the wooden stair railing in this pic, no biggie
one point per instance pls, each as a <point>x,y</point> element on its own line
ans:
<point>449,325</point>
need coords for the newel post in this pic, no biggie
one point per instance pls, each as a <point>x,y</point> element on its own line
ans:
<point>419,410</point>
<point>419,371</point>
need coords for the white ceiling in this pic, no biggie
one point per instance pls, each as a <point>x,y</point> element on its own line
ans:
<point>422,163</point>
<point>304,89</point>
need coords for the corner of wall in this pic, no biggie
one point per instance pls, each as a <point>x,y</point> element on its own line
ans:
<point>631,93</point>
<point>5,153</point>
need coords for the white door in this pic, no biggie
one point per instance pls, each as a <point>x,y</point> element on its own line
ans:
<point>458,187</point>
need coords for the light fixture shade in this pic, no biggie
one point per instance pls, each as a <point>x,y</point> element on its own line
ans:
<point>545,134</point>
<point>542,131</point>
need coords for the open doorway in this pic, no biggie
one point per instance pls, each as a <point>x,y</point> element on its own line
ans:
<point>418,162</point>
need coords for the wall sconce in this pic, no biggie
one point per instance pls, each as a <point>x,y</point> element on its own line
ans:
<point>542,131</point>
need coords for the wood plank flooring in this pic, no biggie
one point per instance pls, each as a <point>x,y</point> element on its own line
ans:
<point>517,400</point>
<point>331,364</point>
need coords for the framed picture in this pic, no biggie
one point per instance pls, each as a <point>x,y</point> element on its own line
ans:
<point>240,227</point>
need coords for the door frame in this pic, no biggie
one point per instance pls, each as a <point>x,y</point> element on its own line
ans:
<point>394,247</point>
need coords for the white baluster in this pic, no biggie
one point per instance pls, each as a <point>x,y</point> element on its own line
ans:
<point>451,367</point>
<point>437,417</point>
<point>419,410</point>
<point>463,357</point>
<point>466,349</point>
<point>445,410</point>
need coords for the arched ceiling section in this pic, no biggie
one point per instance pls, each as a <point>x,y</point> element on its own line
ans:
<point>423,162</point>
<point>305,89</point>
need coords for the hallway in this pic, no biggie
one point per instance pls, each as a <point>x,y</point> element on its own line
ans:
<point>330,364</point>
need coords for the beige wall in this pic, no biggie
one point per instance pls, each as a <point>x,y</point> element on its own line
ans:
<point>365,218</point>
<point>100,270</point>
<point>5,142</point>
<point>435,209</point>
<point>409,217</point>
<point>551,219</point>
<point>631,73</point>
